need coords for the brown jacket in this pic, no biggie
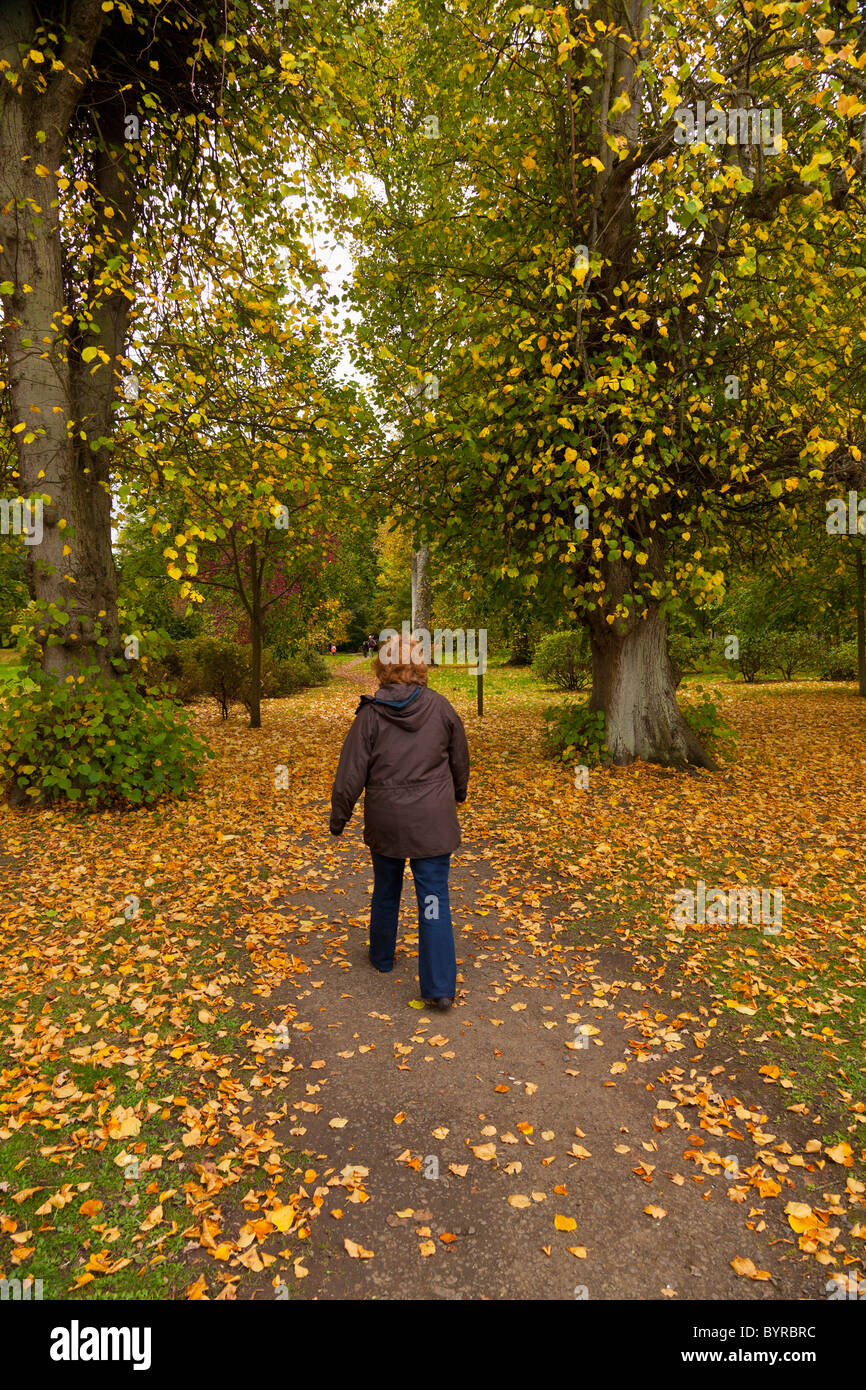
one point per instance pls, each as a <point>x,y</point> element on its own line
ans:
<point>407,751</point>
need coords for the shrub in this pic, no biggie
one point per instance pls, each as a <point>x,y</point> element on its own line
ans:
<point>211,667</point>
<point>562,659</point>
<point>93,740</point>
<point>282,678</point>
<point>794,651</point>
<point>702,715</point>
<point>314,666</point>
<point>756,654</point>
<point>688,652</point>
<point>574,730</point>
<point>838,663</point>
<point>220,669</point>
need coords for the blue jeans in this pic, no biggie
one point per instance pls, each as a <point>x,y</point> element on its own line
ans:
<point>437,959</point>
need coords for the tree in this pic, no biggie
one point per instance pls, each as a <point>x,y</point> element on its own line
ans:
<point>101,111</point>
<point>247,444</point>
<point>601,294</point>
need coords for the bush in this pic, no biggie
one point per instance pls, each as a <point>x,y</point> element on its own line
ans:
<point>211,667</point>
<point>688,652</point>
<point>315,667</point>
<point>208,666</point>
<point>562,659</point>
<point>574,730</point>
<point>756,654</point>
<point>838,663</point>
<point>703,718</point>
<point>794,651</point>
<point>282,678</point>
<point>93,740</point>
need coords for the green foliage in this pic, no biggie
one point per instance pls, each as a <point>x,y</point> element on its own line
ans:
<point>702,715</point>
<point>13,590</point>
<point>314,666</point>
<point>207,666</point>
<point>93,740</point>
<point>575,732</point>
<point>688,652</point>
<point>839,663</point>
<point>756,654</point>
<point>562,660</point>
<point>211,667</point>
<point>795,651</point>
<point>287,677</point>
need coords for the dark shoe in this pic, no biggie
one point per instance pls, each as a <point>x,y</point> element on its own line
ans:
<point>441,1004</point>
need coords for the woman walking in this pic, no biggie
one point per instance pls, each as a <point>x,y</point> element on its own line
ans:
<point>407,751</point>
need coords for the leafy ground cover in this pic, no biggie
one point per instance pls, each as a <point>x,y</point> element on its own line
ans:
<point>204,1093</point>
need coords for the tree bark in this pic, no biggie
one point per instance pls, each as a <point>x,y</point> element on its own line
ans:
<point>57,397</point>
<point>633,678</point>
<point>256,627</point>
<point>633,682</point>
<point>421,595</point>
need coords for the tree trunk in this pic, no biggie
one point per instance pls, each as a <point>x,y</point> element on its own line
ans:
<point>634,684</point>
<point>56,397</point>
<point>256,626</point>
<point>421,596</point>
<point>861,624</point>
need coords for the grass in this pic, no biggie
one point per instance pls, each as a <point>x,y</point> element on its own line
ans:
<point>10,665</point>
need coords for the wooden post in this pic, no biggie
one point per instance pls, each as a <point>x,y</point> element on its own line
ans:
<point>480,684</point>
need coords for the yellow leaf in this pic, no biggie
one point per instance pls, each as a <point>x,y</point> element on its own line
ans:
<point>565,1223</point>
<point>655,1212</point>
<point>356,1251</point>
<point>841,1153</point>
<point>283,1218</point>
<point>745,1267</point>
<point>484,1151</point>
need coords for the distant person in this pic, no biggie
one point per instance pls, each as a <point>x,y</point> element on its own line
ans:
<point>333,649</point>
<point>407,751</point>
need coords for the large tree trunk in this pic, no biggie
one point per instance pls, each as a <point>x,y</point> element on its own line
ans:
<point>421,596</point>
<point>633,682</point>
<point>56,396</point>
<point>256,631</point>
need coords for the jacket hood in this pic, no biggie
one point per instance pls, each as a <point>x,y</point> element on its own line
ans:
<point>406,705</point>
